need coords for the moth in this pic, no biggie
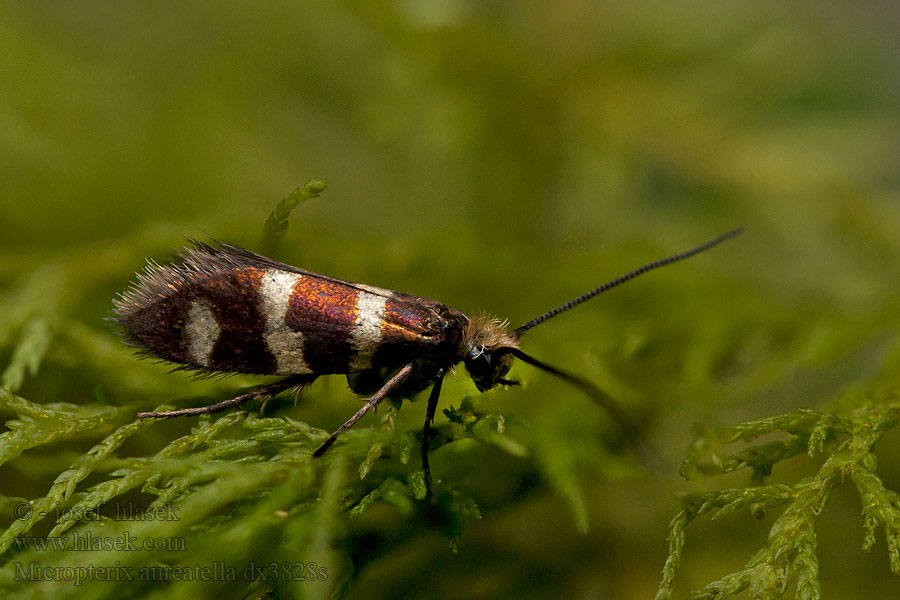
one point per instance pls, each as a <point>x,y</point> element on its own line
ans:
<point>222,309</point>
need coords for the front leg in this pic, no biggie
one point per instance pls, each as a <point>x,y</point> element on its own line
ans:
<point>426,431</point>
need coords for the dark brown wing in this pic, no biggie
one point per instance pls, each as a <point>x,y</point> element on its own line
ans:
<point>221,309</point>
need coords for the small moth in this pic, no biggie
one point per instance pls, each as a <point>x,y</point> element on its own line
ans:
<point>221,309</point>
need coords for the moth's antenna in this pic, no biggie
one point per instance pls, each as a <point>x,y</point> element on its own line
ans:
<point>647,453</point>
<point>628,276</point>
<point>585,386</point>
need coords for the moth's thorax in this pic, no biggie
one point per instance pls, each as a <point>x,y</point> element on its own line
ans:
<point>420,330</point>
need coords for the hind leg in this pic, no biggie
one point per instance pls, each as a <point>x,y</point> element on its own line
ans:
<point>262,391</point>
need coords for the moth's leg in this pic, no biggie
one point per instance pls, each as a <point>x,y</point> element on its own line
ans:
<point>262,391</point>
<point>370,403</point>
<point>426,431</point>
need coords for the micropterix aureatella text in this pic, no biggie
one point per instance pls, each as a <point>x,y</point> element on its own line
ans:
<point>219,308</point>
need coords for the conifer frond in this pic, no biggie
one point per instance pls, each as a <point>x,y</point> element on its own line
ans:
<point>789,558</point>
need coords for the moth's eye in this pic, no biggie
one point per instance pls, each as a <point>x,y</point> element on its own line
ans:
<point>479,364</point>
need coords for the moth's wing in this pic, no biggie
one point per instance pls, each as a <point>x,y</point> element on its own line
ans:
<point>224,255</point>
<point>208,311</point>
<point>405,316</point>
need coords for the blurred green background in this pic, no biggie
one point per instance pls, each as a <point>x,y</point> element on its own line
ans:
<point>501,156</point>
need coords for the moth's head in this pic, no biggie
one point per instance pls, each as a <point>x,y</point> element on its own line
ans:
<point>485,350</point>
